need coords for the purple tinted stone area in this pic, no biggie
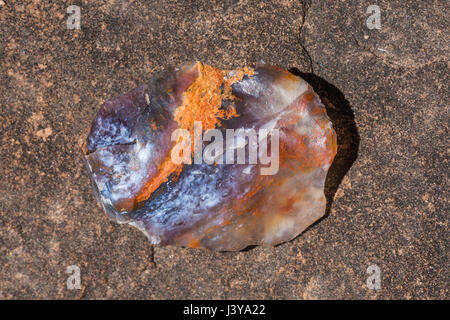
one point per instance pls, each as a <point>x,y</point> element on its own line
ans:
<point>116,120</point>
<point>219,206</point>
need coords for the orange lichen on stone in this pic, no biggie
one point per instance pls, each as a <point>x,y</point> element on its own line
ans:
<point>237,76</point>
<point>202,102</point>
<point>165,169</point>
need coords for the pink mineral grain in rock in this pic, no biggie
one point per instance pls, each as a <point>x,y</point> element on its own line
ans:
<point>255,146</point>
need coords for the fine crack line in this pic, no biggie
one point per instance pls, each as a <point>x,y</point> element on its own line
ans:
<point>152,256</point>
<point>305,9</point>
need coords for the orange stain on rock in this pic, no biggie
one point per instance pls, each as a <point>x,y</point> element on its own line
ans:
<point>194,243</point>
<point>226,222</point>
<point>165,169</point>
<point>202,101</point>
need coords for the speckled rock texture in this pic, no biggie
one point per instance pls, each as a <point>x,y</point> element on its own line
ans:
<point>385,90</point>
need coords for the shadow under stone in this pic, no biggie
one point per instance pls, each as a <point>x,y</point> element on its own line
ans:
<point>341,115</point>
